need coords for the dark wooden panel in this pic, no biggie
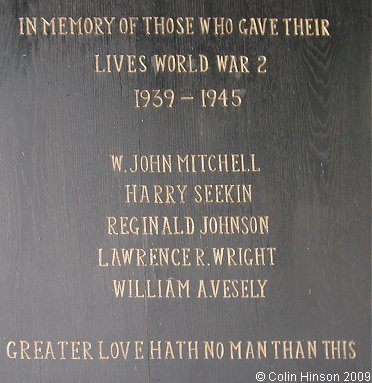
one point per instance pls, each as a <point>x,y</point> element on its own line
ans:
<point>308,122</point>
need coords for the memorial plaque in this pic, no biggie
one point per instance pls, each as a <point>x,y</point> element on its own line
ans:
<point>185,191</point>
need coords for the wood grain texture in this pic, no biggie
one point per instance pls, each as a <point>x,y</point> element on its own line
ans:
<point>308,121</point>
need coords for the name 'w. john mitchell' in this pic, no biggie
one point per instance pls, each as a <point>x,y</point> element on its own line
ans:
<point>187,163</point>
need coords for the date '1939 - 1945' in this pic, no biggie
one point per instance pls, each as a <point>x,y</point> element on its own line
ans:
<point>208,98</point>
